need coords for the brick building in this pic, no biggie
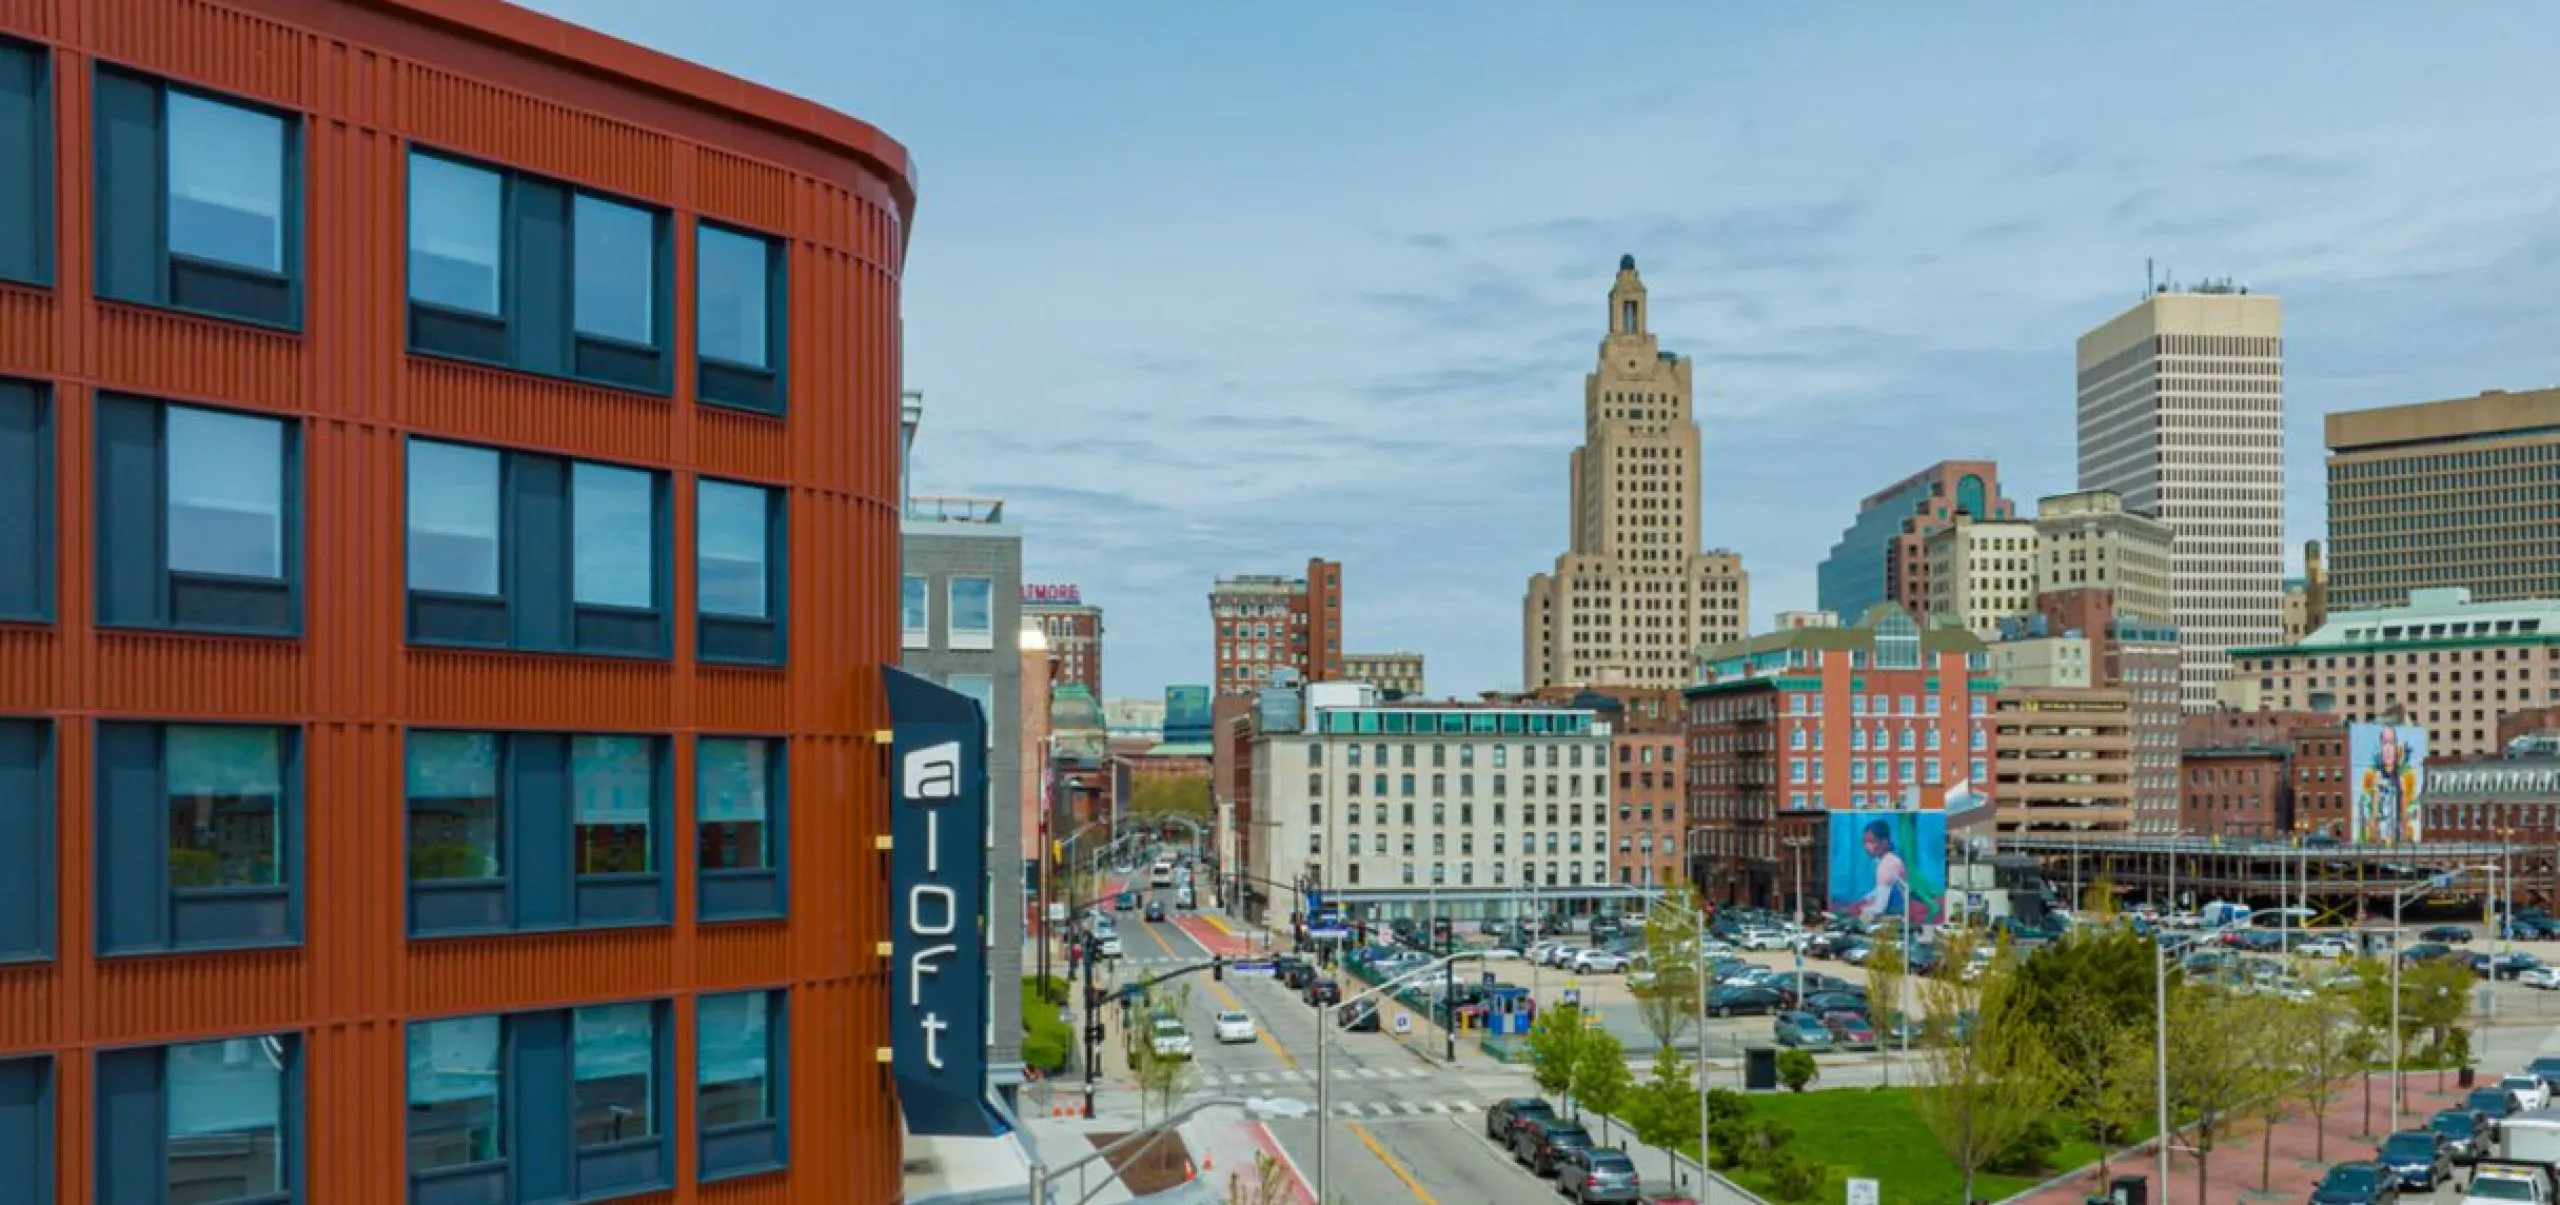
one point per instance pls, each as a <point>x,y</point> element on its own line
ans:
<point>2442,661</point>
<point>2139,655</point>
<point>2235,791</point>
<point>1798,721</point>
<point>1649,755</point>
<point>1264,624</point>
<point>1073,628</point>
<point>1883,556</point>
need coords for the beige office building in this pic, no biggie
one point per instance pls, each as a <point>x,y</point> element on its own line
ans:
<point>1981,573</point>
<point>2063,759</point>
<point>1634,596</point>
<point>2442,661</point>
<point>1397,673</point>
<point>2042,661</point>
<point>2089,541</point>
<point>2455,493</point>
<point>2181,413</point>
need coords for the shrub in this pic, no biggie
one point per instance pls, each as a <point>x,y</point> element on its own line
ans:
<point>1797,1070</point>
<point>1794,1177</point>
<point>2033,1151</point>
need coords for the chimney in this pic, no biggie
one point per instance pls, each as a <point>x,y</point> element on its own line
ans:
<point>910,415</point>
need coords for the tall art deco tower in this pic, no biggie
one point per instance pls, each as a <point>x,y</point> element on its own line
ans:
<point>1634,595</point>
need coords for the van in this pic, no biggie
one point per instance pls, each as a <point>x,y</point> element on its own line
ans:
<point>1161,874</point>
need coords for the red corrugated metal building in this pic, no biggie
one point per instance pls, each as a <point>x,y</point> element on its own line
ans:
<point>447,519</point>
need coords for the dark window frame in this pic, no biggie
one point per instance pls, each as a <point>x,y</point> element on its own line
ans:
<point>131,1090</point>
<point>739,889</point>
<point>756,389</point>
<point>537,1099</point>
<point>740,639</point>
<point>27,888</point>
<point>536,608</point>
<point>171,593</point>
<point>34,266</point>
<point>749,1148</point>
<point>119,904</point>
<point>27,1083</point>
<point>205,288</point>
<point>536,221</point>
<point>27,415</point>
<point>535,816</point>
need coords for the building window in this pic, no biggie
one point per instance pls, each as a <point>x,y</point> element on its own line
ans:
<point>738,806</point>
<point>26,1129</point>
<point>982,688</point>
<point>26,483</point>
<point>199,837</point>
<point>210,1122</point>
<point>27,827</point>
<point>915,612</point>
<point>534,831</point>
<point>739,1052</point>
<point>739,308</point>
<point>973,613</point>
<point>738,580</point>
<point>198,202</point>
<point>548,1106</point>
<point>197,519</point>
<point>494,537</point>
<point>26,165</point>
<point>492,277</point>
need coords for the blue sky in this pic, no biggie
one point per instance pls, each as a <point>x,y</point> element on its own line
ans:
<point>1206,288</point>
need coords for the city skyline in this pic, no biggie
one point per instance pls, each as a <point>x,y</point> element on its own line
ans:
<point>1841,214</point>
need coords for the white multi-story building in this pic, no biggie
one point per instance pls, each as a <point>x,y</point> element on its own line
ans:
<point>1459,811</point>
<point>1981,572</point>
<point>2181,413</point>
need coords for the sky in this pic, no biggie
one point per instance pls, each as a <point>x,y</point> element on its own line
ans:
<point>1213,288</point>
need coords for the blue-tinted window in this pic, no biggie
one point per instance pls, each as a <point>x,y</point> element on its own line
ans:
<point>457,1089</point>
<point>973,613</point>
<point>197,519</point>
<point>534,830</point>
<point>738,792</point>
<point>454,534</point>
<point>614,265</point>
<point>738,542</point>
<point>26,165</point>
<point>983,689</point>
<point>27,828</point>
<point>227,1121</point>
<point>915,610</point>
<point>616,1073</point>
<point>457,240</point>
<point>614,535</point>
<point>26,496</point>
<point>227,170</point>
<point>457,819</point>
<point>739,318</point>
<point>517,550</point>
<point>197,201</point>
<point>226,494</point>
<point>738,1078</point>
<point>199,842</point>
<point>538,1106</point>
<point>26,1129</point>
<point>614,779</point>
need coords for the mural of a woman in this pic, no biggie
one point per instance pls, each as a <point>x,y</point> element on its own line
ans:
<point>2386,789</point>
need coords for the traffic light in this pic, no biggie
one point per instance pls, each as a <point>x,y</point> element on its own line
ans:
<point>1218,969</point>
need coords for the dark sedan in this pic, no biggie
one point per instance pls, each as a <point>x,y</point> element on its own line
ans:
<point>2357,1184</point>
<point>1510,1113</point>
<point>1729,1000</point>
<point>1539,1143</point>
<point>1850,1030</point>
<point>1836,1002</point>
<point>2454,935</point>
<point>1321,992</point>
<point>1357,1018</point>
<point>1155,910</point>
<point>2418,1157</point>
<point>2494,1105</point>
<point>2462,1134</point>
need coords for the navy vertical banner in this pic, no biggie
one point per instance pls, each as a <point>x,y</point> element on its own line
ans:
<point>938,907</point>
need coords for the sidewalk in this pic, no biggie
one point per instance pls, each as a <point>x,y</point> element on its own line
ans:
<point>1220,1146</point>
<point>2232,1168</point>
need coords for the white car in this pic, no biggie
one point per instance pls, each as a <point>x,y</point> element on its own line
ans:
<point>1235,1027</point>
<point>2327,945</point>
<point>2529,1090</point>
<point>1170,1040</point>
<point>2546,978</point>
<point>1562,954</point>
<point>1763,939</point>
<point>1599,961</point>
<point>1498,954</point>
<point>1111,945</point>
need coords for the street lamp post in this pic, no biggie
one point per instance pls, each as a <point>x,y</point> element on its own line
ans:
<point>2399,898</point>
<point>1796,845</point>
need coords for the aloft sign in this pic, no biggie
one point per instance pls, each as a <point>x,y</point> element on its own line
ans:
<point>938,906</point>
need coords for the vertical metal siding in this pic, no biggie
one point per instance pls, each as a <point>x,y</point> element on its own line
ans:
<point>368,83</point>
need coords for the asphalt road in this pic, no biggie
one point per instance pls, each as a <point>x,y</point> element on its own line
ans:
<point>1401,1128</point>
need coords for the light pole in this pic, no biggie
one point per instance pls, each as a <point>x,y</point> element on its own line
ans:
<point>2398,898</point>
<point>1796,845</point>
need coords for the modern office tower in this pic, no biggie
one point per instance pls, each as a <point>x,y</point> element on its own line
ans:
<point>1073,628</point>
<point>1981,573</point>
<point>1883,556</point>
<point>1633,596</point>
<point>2456,493</point>
<point>2089,541</point>
<point>1396,673</point>
<point>1267,623</point>
<point>439,568</point>
<point>2181,414</point>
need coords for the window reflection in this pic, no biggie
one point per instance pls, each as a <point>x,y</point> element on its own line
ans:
<point>614,781</point>
<point>736,1059</point>
<point>615,537</point>
<point>614,263</point>
<point>226,494</point>
<point>454,808</point>
<point>734,293</point>
<point>226,1120</point>
<point>615,1056</point>
<point>455,1118</point>
<point>735,814</point>
<point>455,215</point>
<point>453,519</point>
<point>226,183</point>
<point>730,543</point>
<point>226,788</point>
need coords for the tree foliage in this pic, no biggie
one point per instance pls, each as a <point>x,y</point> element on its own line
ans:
<point>1600,1077</point>
<point>1991,1080</point>
<point>2328,1045</point>
<point>1663,1108</point>
<point>1796,1069</point>
<point>1161,1079</point>
<point>1556,1039</point>
<point>2213,1065</point>
<point>2434,995</point>
<point>2103,1072</point>
<point>1671,953</point>
<point>1175,794</point>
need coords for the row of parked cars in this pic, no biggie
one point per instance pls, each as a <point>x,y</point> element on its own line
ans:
<point>1552,1146</point>
<point>2504,1134</point>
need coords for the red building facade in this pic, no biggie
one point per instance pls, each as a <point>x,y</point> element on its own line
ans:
<point>445,550</point>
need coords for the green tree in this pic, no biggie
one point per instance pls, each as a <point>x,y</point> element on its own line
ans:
<point>1888,992</point>
<point>2434,995</point>
<point>1671,952</point>
<point>1555,1049</point>
<point>2102,1069</point>
<point>1993,1085</point>
<point>1174,794</point>
<point>2370,995</point>
<point>2213,1071</point>
<point>1663,1108</point>
<point>1600,1077</point>
<point>2275,1027</point>
<point>1162,1079</point>
<point>2325,1032</point>
<point>1797,1070</point>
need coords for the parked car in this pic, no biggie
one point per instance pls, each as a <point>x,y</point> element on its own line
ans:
<point>1537,1143</point>
<point>2418,1157</point>
<point>1594,962</point>
<point>1169,1039</point>
<point>2528,1089</point>
<point>2325,945</point>
<point>1728,1000</point>
<point>1762,939</point>
<point>2426,951</point>
<point>2494,1105</point>
<point>2452,935</point>
<point>1836,1001</point>
<point>2545,1067</point>
<point>1849,1030</point>
<point>1511,1112</point>
<point>1293,973</point>
<point>1321,992</point>
<point>2462,1133</point>
<point>1801,1029</point>
<point>1361,1017</point>
<point>1235,1027</point>
<point>2545,977</point>
<point>2357,1184</point>
<point>1588,1175</point>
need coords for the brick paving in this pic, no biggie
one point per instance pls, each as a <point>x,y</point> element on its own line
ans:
<point>2232,1170</point>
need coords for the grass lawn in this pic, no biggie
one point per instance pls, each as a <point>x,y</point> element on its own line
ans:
<point>1877,1134</point>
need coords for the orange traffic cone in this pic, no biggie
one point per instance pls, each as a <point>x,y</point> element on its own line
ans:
<point>1189,1172</point>
<point>1208,1163</point>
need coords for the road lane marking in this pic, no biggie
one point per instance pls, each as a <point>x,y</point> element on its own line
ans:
<point>1370,1141</point>
<point>1260,1031</point>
